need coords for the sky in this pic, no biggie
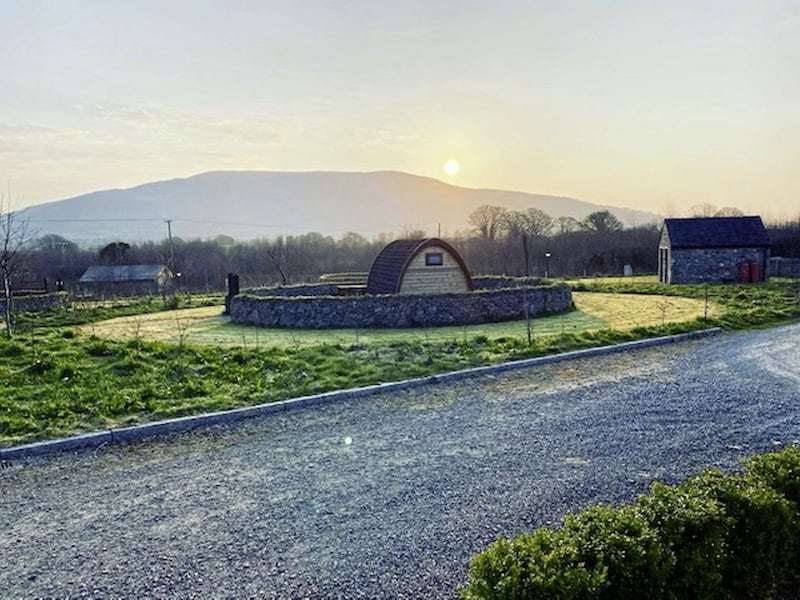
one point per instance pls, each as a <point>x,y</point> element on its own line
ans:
<point>650,105</point>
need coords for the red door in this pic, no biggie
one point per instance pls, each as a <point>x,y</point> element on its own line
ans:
<point>754,275</point>
<point>744,273</point>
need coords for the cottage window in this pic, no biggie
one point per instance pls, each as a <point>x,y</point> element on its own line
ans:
<point>434,259</point>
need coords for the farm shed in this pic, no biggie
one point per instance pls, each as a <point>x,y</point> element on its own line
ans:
<point>426,266</point>
<point>126,279</point>
<point>713,250</point>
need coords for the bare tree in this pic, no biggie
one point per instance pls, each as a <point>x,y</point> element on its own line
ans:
<point>525,225</point>
<point>115,253</point>
<point>14,234</point>
<point>353,239</point>
<point>488,221</point>
<point>281,254</point>
<point>538,222</point>
<point>704,210</point>
<point>567,224</point>
<point>409,233</point>
<point>729,211</point>
<point>601,221</point>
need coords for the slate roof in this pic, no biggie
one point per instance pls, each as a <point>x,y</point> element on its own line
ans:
<point>388,268</point>
<point>717,232</point>
<point>121,273</point>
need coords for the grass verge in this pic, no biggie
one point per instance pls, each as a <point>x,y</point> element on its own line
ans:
<point>55,381</point>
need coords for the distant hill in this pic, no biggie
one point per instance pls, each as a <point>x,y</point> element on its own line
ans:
<point>257,204</point>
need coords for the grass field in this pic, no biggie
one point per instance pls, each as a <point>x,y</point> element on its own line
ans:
<point>85,368</point>
<point>596,310</point>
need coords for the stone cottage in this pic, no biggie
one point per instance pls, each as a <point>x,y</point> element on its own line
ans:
<point>713,250</point>
<point>426,266</point>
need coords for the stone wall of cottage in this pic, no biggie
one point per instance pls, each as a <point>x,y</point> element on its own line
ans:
<point>714,265</point>
<point>394,311</point>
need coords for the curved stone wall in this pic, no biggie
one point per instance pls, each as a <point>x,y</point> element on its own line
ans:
<point>298,290</point>
<point>311,311</point>
<point>498,282</point>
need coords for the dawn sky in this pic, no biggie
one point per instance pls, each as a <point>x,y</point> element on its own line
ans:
<point>654,105</point>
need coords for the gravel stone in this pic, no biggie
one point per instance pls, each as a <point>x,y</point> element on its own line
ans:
<point>389,496</point>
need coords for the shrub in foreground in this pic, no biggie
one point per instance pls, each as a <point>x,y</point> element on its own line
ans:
<point>715,536</point>
<point>543,564</point>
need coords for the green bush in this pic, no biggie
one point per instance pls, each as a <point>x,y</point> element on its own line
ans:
<point>715,536</point>
<point>780,471</point>
<point>543,564</point>
<point>619,543</point>
<point>692,526</point>
<point>761,537</point>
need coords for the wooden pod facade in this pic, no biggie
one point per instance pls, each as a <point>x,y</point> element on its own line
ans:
<point>426,266</point>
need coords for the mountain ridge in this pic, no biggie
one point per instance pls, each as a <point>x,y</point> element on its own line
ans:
<point>257,204</point>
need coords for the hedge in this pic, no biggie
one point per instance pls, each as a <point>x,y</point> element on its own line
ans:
<point>716,535</point>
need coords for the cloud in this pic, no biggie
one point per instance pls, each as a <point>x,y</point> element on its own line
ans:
<point>119,132</point>
<point>178,124</point>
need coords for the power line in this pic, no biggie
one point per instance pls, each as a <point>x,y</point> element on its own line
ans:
<point>87,220</point>
<point>281,228</point>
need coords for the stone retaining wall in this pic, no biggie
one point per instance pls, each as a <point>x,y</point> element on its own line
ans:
<point>330,312</point>
<point>37,302</point>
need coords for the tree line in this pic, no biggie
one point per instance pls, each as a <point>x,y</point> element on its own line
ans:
<point>500,241</point>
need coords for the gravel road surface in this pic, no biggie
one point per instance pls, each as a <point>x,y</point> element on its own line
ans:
<point>389,496</point>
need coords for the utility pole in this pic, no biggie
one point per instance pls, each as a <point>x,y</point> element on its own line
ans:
<point>171,265</point>
<point>171,248</point>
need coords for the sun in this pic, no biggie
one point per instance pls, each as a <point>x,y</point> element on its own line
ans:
<point>451,167</point>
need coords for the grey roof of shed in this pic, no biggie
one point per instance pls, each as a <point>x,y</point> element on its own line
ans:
<point>121,273</point>
<point>388,268</point>
<point>717,232</point>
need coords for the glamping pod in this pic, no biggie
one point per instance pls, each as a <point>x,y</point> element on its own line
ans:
<point>426,266</point>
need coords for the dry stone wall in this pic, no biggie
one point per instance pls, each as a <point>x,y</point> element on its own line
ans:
<point>499,282</point>
<point>37,302</point>
<point>303,289</point>
<point>311,311</point>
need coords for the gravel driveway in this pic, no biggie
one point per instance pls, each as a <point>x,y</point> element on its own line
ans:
<point>389,496</point>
